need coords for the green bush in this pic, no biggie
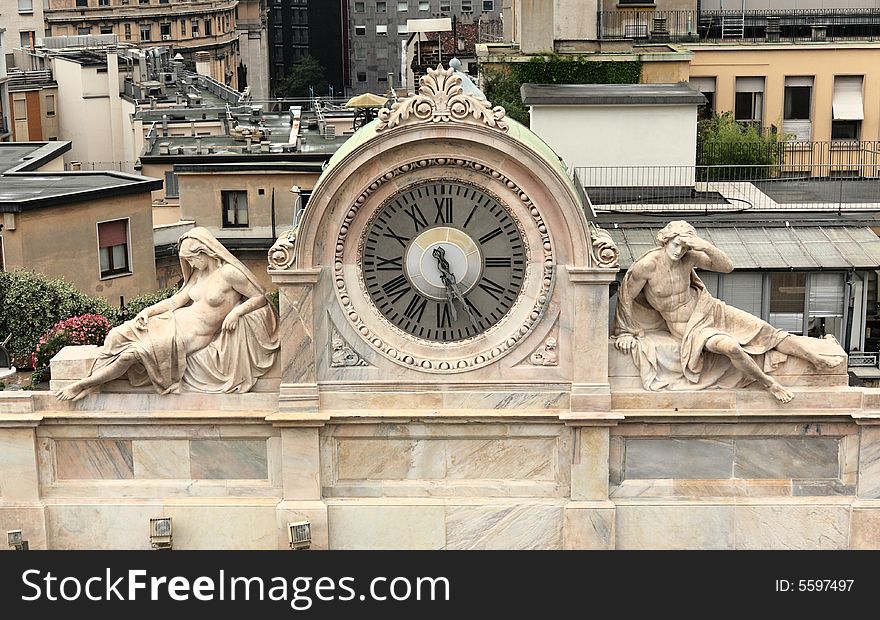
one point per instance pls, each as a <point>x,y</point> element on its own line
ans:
<point>502,85</point>
<point>746,152</point>
<point>138,303</point>
<point>77,330</point>
<point>30,304</point>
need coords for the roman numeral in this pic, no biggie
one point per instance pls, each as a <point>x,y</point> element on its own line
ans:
<point>389,264</point>
<point>468,220</point>
<point>492,288</point>
<point>396,288</point>
<point>490,235</point>
<point>500,261</point>
<point>473,308</point>
<point>444,210</point>
<point>416,308</point>
<point>417,216</point>
<point>444,318</point>
<point>390,234</point>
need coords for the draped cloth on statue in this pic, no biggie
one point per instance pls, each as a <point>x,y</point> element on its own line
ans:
<point>667,362</point>
<point>231,362</point>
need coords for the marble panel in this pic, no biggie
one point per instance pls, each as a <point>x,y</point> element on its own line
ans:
<point>674,527</point>
<point>94,459</point>
<point>865,528</point>
<point>301,463</point>
<point>821,487</point>
<point>516,459</point>
<point>101,526</point>
<point>18,465</point>
<point>228,459</point>
<point>31,520</point>
<point>678,458</point>
<point>504,527</point>
<point>792,526</point>
<point>787,457</point>
<point>869,463</point>
<point>589,471</point>
<point>588,528</point>
<point>161,458</point>
<point>245,526</point>
<point>360,526</point>
<point>390,459</point>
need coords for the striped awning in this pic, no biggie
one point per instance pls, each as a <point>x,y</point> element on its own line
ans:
<point>803,247</point>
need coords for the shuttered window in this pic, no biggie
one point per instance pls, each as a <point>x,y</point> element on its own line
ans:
<point>113,247</point>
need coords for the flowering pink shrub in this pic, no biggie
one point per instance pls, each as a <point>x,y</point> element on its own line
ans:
<point>77,330</point>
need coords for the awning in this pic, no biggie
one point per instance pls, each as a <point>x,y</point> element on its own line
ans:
<point>805,248</point>
<point>703,84</point>
<point>846,104</point>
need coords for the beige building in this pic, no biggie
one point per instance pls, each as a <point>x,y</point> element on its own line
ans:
<point>23,21</point>
<point>33,102</point>
<point>253,45</point>
<point>91,228</point>
<point>207,26</point>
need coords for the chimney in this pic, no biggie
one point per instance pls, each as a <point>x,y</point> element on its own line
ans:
<point>75,166</point>
<point>152,103</point>
<point>163,148</point>
<point>164,125</point>
<point>264,146</point>
<point>247,143</point>
<point>192,129</point>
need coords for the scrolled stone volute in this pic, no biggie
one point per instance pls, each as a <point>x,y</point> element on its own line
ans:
<point>282,254</point>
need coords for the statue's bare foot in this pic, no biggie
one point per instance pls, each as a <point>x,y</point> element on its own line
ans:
<point>74,392</point>
<point>780,393</point>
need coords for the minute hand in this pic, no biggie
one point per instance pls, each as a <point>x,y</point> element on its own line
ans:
<point>453,290</point>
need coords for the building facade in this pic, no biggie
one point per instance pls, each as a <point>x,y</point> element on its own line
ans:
<point>202,26</point>
<point>253,45</point>
<point>308,27</point>
<point>379,34</point>
<point>23,20</point>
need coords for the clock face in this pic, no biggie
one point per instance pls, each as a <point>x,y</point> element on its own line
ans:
<point>443,260</point>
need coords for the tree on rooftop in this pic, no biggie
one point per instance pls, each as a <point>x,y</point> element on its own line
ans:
<point>307,72</point>
<point>731,147</point>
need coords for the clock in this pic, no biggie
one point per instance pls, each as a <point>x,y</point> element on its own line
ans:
<point>443,260</point>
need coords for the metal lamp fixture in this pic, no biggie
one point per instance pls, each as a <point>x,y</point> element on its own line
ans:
<point>160,533</point>
<point>299,534</point>
<point>16,541</point>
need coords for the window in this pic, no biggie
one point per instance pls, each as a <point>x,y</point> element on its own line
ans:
<point>360,53</point>
<point>128,32</point>
<point>787,297</point>
<point>172,188</point>
<point>50,105</point>
<point>194,28</point>
<point>235,211</point>
<point>85,30</point>
<point>825,306</point>
<point>144,1</point>
<point>82,2</point>
<point>402,7</point>
<point>467,6</point>
<point>361,76</point>
<point>381,52</point>
<point>183,27</point>
<point>163,1</point>
<point>25,6</point>
<point>424,6</point>
<point>103,2</point>
<point>145,32</point>
<point>165,30</point>
<point>381,30</point>
<point>743,290</point>
<point>488,5</point>
<point>749,103</point>
<point>113,248</point>
<point>402,29</point>
<point>19,109</point>
<point>207,27</point>
<point>847,110</point>
<point>27,38</point>
<point>360,7</point>
<point>797,105</point>
<point>445,6</point>
<point>383,77</point>
<point>361,30</point>
<point>706,86</point>
<point>381,7</point>
<point>106,29</point>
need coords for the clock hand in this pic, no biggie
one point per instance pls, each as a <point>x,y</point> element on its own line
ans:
<point>453,290</point>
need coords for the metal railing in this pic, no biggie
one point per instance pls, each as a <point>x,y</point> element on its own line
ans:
<point>102,166</point>
<point>771,26</point>
<point>730,188</point>
<point>821,158</point>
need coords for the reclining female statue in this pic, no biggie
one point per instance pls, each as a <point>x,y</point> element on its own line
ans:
<point>218,333</point>
<point>661,292</point>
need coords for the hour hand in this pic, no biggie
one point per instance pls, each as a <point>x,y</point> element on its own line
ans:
<point>450,300</point>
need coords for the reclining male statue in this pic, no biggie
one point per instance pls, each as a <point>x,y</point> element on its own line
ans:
<point>661,292</point>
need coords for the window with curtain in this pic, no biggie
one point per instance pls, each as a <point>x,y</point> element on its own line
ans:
<point>743,290</point>
<point>113,248</point>
<point>825,305</point>
<point>787,301</point>
<point>235,209</point>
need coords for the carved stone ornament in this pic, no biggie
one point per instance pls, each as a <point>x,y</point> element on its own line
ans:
<point>437,364</point>
<point>282,254</point>
<point>441,99</point>
<point>606,251</point>
<point>341,354</point>
<point>546,355</point>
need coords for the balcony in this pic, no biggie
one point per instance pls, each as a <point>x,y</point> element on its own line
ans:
<point>134,11</point>
<point>770,26</point>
